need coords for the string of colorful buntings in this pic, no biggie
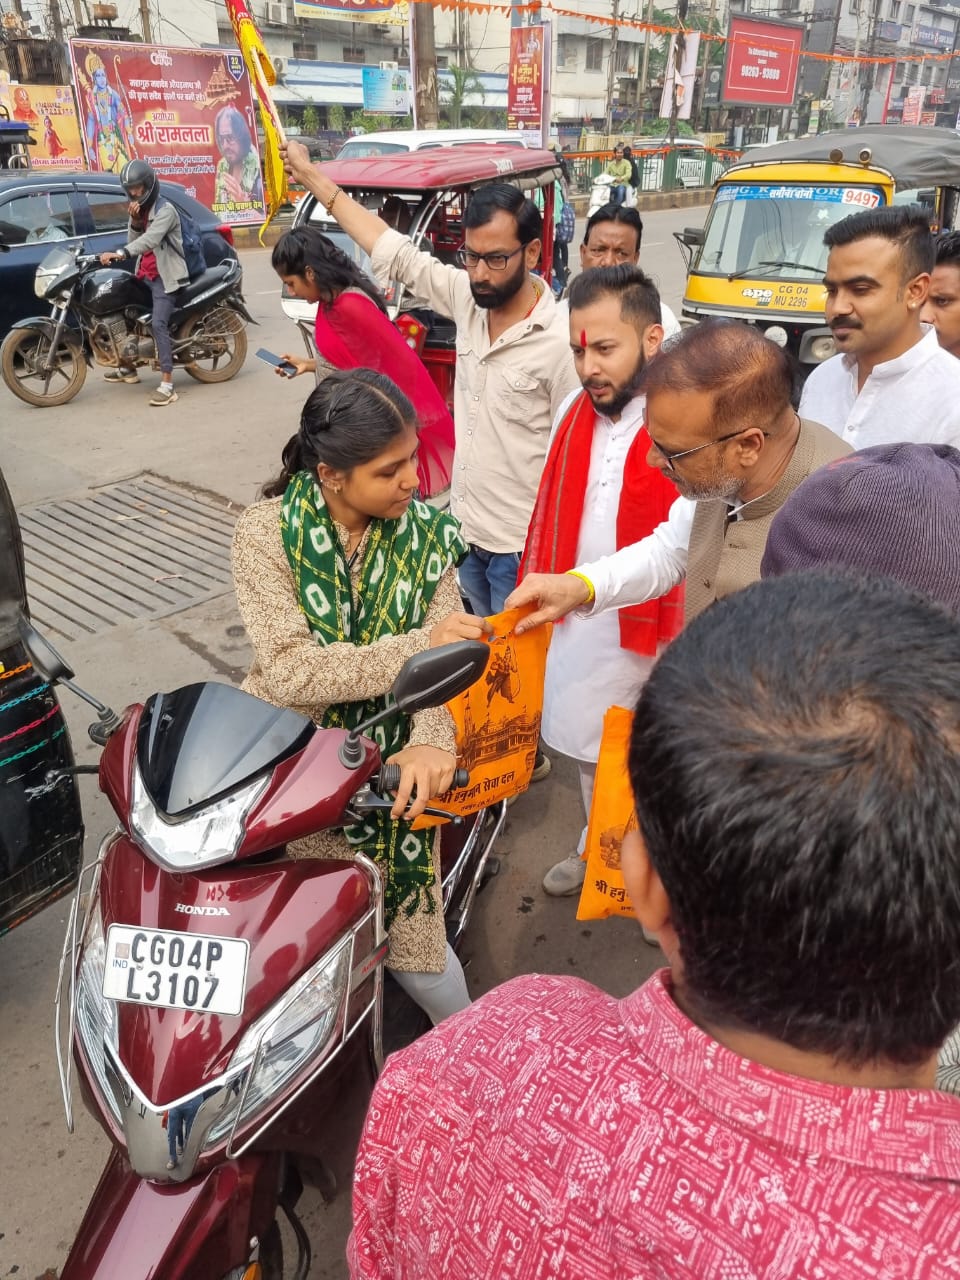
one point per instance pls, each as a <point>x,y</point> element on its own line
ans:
<point>637,24</point>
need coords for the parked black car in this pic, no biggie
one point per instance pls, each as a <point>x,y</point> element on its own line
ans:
<point>38,210</point>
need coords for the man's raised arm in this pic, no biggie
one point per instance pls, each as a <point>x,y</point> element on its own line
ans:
<point>359,223</point>
<point>435,283</point>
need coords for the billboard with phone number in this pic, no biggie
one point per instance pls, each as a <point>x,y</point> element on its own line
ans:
<point>762,63</point>
<point>187,112</point>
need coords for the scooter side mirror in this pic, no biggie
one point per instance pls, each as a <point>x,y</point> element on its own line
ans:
<point>44,657</point>
<point>435,676</point>
<point>427,679</point>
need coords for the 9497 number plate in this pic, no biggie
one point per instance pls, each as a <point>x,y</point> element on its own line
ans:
<point>175,970</point>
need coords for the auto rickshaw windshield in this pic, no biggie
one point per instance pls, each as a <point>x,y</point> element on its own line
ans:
<point>758,229</point>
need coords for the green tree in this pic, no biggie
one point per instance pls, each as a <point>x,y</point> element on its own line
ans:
<point>453,96</point>
<point>311,120</point>
<point>337,117</point>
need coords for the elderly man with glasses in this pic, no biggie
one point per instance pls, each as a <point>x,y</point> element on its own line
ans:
<point>723,428</point>
<point>612,238</point>
<point>513,371</point>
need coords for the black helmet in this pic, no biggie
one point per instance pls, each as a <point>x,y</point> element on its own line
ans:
<point>137,173</point>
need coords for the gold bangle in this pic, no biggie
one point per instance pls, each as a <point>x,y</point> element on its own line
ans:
<point>573,573</point>
<point>328,204</point>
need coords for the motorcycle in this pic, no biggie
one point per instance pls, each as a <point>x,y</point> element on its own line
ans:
<point>224,1003</point>
<point>600,194</point>
<point>103,315</point>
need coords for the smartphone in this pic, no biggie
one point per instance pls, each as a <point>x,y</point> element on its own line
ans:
<point>285,367</point>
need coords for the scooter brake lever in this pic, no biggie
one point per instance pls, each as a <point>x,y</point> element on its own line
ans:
<point>367,801</point>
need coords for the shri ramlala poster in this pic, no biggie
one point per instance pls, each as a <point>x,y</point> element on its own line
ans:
<point>188,112</point>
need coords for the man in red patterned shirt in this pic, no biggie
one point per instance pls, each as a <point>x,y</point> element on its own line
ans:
<point>766,1106</point>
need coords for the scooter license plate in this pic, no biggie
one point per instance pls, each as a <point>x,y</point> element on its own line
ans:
<point>175,970</point>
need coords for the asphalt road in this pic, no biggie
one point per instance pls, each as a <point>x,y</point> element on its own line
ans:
<point>226,440</point>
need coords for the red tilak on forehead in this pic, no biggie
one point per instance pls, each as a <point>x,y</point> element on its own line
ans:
<point>583,337</point>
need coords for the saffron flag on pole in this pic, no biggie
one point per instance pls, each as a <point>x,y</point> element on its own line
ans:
<point>262,76</point>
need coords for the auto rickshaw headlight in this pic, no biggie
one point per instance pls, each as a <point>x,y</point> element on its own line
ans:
<point>777,335</point>
<point>836,156</point>
<point>866,155</point>
<point>822,349</point>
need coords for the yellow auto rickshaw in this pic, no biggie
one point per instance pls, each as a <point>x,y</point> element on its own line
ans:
<point>760,256</point>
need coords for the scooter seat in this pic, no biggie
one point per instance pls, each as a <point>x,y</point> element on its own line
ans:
<point>212,276</point>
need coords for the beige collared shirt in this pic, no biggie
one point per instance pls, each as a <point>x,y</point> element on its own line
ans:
<point>506,394</point>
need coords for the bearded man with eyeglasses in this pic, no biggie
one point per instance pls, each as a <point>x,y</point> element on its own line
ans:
<point>722,426</point>
<point>513,370</point>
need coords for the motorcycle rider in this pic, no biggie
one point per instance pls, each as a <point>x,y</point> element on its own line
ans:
<point>621,170</point>
<point>156,239</point>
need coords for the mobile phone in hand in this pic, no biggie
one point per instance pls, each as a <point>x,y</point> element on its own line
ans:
<point>285,367</point>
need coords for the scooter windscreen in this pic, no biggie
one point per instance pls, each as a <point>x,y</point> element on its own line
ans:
<point>205,741</point>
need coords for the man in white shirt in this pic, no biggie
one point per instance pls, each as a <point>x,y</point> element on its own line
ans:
<point>892,381</point>
<point>722,427</point>
<point>513,366</point>
<point>597,494</point>
<point>612,239</point>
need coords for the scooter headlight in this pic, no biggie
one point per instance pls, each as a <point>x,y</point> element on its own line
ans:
<point>96,1015</point>
<point>295,1033</point>
<point>203,839</point>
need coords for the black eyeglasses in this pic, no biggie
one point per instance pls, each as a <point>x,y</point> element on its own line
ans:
<point>670,458</point>
<point>495,261</point>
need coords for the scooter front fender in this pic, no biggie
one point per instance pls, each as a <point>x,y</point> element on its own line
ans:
<point>197,1230</point>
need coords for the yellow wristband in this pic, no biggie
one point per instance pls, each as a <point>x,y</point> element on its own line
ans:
<point>573,573</point>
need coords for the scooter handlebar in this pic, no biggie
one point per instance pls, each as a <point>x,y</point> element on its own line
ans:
<point>390,778</point>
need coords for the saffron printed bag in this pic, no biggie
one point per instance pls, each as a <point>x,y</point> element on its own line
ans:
<point>612,816</point>
<point>498,719</point>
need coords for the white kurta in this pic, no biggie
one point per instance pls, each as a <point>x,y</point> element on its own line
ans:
<point>914,398</point>
<point>587,670</point>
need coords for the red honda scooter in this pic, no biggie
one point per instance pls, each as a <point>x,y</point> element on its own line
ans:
<point>224,1003</point>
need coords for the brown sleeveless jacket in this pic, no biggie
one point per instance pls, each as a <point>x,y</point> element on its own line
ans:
<point>724,555</point>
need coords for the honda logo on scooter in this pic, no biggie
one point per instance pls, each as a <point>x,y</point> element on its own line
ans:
<point>188,909</point>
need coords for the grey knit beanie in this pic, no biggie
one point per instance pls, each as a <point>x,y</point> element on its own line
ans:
<point>892,510</point>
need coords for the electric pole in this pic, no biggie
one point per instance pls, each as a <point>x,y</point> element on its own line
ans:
<point>871,69</point>
<point>645,65</point>
<point>679,50</point>
<point>56,21</point>
<point>612,68</point>
<point>145,27</point>
<point>425,67</point>
<point>707,47</point>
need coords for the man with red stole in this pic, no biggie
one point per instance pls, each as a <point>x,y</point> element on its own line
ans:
<point>597,494</point>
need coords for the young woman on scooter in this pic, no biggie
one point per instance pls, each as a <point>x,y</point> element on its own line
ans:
<point>341,576</point>
<point>352,330</point>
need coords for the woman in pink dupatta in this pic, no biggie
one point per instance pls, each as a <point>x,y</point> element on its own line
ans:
<point>353,331</point>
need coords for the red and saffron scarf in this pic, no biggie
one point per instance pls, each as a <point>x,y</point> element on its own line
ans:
<point>645,500</point>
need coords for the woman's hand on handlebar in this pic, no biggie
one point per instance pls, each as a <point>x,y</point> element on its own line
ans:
<point>429,770</point>
<point>299,363</point>
<point>459,626</point>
